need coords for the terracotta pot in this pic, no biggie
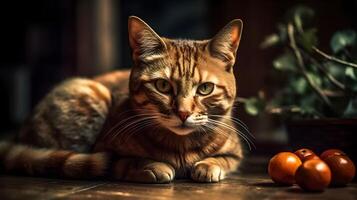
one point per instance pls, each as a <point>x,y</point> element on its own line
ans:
<point>323,134</point>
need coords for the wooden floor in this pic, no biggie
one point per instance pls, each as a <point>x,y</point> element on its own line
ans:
<point>251,183</point>
<point>236,187</point>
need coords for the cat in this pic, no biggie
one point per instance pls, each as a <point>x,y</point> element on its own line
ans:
<point>169,117</point>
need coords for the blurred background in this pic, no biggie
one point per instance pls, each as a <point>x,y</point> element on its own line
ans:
<point>44,42</point>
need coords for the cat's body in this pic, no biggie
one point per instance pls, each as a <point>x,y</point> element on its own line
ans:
<point>170,116</point>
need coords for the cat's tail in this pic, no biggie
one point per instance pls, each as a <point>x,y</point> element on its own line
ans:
<point>17,158</point>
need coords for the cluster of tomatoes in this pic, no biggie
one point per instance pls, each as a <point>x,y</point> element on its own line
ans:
<point>311,172</point>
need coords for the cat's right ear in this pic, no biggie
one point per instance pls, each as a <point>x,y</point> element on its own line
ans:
<point>225,44</point>
<point>146,45</point>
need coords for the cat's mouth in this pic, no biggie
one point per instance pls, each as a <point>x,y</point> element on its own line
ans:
<point>174,124</point>
<point>181,129</point>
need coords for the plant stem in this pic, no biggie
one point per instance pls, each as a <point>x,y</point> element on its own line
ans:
<point>332,79</point>
<point>302,68</point>
<point>331,93</point>
<point>280,110</point>
<point>328,75</point>
<point>334,59</point>
<point>241,99</point>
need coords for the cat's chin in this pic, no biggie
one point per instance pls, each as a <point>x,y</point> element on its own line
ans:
<point>178,130</point>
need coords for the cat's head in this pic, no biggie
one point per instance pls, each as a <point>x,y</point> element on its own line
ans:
<point>183,84</point>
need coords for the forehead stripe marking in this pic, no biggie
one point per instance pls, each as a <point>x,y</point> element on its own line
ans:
<point>189,70</point>
<point>182,61</point>
<point>195,58</point>
<point>177,64</point>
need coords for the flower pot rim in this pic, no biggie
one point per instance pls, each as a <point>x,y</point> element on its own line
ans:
<point>319,122</point>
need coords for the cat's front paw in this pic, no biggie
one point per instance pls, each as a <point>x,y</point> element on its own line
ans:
<point>207,172</point>
<point>157,172</point>
<point>145,172</point>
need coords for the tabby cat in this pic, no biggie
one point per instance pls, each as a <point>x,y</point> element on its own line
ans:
<point>169,117</point>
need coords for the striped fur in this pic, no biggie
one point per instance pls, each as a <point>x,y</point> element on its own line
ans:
<point>19,158</point>
<point>155,135</point>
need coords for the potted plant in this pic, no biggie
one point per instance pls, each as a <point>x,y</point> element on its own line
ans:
<point>317,95</point>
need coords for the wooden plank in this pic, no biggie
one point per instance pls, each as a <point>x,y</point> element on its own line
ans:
<point>16,187</point>
<point>238,186</point>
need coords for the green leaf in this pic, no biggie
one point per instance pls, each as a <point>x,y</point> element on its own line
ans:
<point>253,106</point>
<point>299,85</point>
<point>308,105</point>
<point>315,78</point>
<point>351,109</point>
<point>285,62</point>
<point>308,39</point>
<point>342,39</point>
<point>250,107</point>
<point>351,78</point>
<point>350,73</point>
<point>270,40</point>
<point>302,16</point>
<point>335,69</point>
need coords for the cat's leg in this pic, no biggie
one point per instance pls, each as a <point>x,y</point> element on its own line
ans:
<point>214,169</point>
<point>143,170</point>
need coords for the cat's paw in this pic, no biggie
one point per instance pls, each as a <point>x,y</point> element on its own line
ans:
<point>207,172</point>
<point>157,172</point>
<point>150,172</point>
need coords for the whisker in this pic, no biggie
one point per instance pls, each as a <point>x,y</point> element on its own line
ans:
<point>246,138</point>
<point>121,129</point>
<point>234,119</point>
<point>138,125</point>
<point>221,131</point>
<point>226,125</point>
<point>123,121</point>
<point>238,122</point>
<point>142,126</point>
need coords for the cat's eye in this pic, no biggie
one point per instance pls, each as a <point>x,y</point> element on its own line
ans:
<point>205,88</point>
<point>163,85</point>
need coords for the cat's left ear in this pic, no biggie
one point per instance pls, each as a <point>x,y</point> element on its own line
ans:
<point>225,44</point>
<point>146,45</point>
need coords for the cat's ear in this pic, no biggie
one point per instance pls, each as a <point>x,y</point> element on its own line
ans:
<point>224,45</point>
<point>146,45</point>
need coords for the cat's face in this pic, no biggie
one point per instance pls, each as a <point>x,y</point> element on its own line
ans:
<point>183,85</point>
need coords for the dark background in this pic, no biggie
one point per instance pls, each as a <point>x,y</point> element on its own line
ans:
<point>45,41</point>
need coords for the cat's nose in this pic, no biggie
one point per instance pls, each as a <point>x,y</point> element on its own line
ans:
<point>183,115</point>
